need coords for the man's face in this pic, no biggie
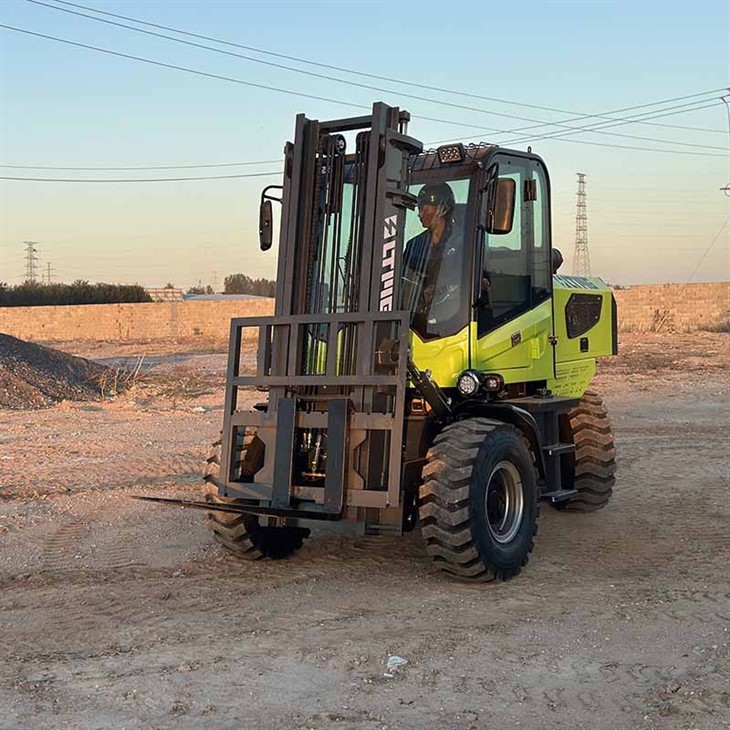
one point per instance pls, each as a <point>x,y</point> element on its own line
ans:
<point>428,214</point>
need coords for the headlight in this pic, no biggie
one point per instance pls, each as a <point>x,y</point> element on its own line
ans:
<point>493,382</point>
<point>468,383</point>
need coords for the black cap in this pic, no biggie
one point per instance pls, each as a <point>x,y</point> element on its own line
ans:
<point>436,194</point>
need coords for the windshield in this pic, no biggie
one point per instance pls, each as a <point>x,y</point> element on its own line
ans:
<point>435,258</point>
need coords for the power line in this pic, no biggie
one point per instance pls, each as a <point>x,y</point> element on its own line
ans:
<point>247,83</point>
<point>536,122</point>
<point>219,77</point>
<point>708,249</point>
<point>548,138</point>
<point>156,167</point>
<point>106,238</point>
<point>264,162</point>
<point>381,78</point>
<point>136,179</point>
<point>179,68</point>
<point>270,88</point>
<point>671,111</point>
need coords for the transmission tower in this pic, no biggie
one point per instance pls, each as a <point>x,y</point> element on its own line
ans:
<point>581,259</point>
<point>31,260</point>
<point>49,272</point>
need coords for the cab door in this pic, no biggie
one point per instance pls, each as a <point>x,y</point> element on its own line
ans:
<point>513,312</point>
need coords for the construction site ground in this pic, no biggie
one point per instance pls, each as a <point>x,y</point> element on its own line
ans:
<point>116,613</point>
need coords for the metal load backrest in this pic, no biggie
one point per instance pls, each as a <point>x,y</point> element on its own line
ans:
<point>334,356</point>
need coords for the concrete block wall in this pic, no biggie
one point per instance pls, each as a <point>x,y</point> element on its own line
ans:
<point>656,307</point>
<point>672,307</point>
<point>146,321</point>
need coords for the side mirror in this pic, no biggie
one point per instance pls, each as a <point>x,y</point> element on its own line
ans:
<point>557,261</point>
<point>266,216</point>
<point>501,213</point>
<point>266,225</point>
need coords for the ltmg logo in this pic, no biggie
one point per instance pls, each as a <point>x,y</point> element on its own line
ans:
<point>390,228</point>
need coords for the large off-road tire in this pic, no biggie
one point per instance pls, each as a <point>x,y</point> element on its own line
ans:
<point>591,468</point>
<point>241,534</point>
<point>478,501</point>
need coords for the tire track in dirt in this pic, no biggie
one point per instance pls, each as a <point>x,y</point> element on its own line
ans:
<point>577,687</point>
<point>60,547</point>
<point>123,600</point>
<point>76,540</point>
<point>700,605</point>
<point>135,471</point>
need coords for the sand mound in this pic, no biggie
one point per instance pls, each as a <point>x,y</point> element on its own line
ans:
<point>33,376</point>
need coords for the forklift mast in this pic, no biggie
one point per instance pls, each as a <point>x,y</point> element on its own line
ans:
<point>340,240</point>
<point>334,357</point>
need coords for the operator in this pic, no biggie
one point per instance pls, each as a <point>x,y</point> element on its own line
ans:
<point>432,261</point>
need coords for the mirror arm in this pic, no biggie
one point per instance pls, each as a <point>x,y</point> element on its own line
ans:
<point>265,195</point>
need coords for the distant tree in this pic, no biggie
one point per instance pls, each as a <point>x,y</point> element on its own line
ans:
<point>200,290</point>
<point>237,284</point>
<point>169,285</point>
<point>242,284</point>
<point>33,294</point>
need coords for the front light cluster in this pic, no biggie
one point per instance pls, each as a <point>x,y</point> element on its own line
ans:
<point>471,382</point>
<point>451,153</point>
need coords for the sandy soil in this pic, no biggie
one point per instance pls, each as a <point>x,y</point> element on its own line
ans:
<point>118,614</point>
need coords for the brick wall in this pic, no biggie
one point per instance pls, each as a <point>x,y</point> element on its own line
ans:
<point>658,307</point>
<point>148,321</point>
<point>672,307</point>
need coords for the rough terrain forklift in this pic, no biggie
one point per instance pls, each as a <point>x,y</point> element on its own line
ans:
<point>413,381</point>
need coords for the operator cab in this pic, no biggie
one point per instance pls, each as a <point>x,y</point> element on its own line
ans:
<point>499,249</point>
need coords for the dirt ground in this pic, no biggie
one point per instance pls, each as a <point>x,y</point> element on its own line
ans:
<point>115,613</point>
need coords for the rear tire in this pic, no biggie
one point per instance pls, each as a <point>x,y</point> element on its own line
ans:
<point>479,504</point>
<point>242,534</point>
<point>591,469</point>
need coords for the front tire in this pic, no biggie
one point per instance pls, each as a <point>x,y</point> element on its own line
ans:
<point>242,534</point>
<point>479,504</point>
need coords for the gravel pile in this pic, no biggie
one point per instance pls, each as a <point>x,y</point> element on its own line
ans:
<point>32,376</point>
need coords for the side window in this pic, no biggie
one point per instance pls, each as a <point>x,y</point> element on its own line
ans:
<point>505,265</point>
<point>516,272</point>
<point>542,274</point>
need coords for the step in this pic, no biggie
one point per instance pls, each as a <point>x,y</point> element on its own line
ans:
<point>561,495</point>
<point>557,449</point>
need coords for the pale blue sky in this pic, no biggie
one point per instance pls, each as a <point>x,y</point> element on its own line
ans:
<point>652,215</point>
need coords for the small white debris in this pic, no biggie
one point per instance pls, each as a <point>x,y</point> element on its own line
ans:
<point>396,661</point>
